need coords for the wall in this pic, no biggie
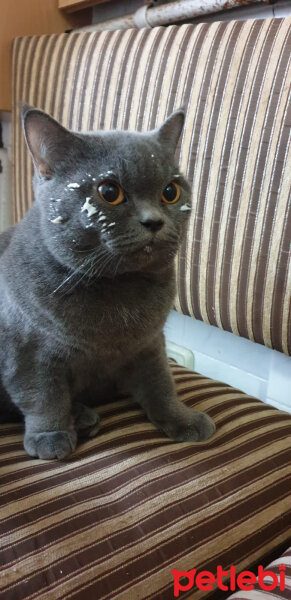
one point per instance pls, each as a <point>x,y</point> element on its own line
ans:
<point>5,181</point>
<point>115,8</point>
<point>29,17</point>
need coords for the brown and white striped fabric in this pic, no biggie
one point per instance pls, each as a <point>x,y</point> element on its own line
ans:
<point>258,594</point>
<point>234,81</point>
<point>130,505</point>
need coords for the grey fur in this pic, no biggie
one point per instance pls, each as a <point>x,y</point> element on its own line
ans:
<point>84,294</point>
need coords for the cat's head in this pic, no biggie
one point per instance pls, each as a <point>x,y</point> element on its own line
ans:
<point>114,200</point>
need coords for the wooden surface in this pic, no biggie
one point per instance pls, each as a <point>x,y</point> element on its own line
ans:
<point>72,5</point>
<point>29,17</point>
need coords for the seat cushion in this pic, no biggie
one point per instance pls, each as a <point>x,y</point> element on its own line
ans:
<point>130,505</point>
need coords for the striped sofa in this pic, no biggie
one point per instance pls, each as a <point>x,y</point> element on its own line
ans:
<point>129,506</point>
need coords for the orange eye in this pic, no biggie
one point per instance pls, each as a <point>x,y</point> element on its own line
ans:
<point>171,193</point>
<point>111,193</point>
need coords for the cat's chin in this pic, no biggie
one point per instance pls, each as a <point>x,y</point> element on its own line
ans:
<point>148,248</point>
<point>147,257</point>
<point>154,255</point>
<point>146,251</point>
<point>142,253</point>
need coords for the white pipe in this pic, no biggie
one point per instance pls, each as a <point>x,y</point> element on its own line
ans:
<point>189,9</point>
<point>168,13</point>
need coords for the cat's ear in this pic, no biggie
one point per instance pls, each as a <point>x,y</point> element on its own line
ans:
<point>47,140</point>
<point>169,132</point>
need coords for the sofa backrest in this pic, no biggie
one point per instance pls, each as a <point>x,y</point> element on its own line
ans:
<point>233,270</point>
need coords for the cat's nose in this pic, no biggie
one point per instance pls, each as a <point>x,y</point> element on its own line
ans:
<point>152,224</point>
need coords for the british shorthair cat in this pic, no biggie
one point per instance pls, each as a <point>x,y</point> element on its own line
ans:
<point>87,280</point>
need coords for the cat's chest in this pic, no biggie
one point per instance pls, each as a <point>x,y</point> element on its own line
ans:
<point>118,317</point>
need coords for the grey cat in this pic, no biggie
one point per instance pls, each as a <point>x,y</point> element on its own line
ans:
<point>87,281</point>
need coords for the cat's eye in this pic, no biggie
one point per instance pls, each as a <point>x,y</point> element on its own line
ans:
<point>171,193</point>
<point>111,193</point>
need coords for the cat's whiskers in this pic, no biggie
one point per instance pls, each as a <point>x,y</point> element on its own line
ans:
<point>118,263</point>
<point>66,280</point>
<point>90,251</point>
<point>102,259</point>
<point>105,264</point>
<point>85,274</point>
<point>75,272</point>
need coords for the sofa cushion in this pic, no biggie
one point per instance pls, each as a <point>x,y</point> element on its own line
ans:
<point>233,270</point>
<point>130,505</point>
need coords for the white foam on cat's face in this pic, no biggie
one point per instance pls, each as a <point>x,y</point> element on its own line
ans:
<point>91,210</point>
<point>185,207</point>
<point>104,175</point>
<point>102,218</point>
<point>73,185</point>
<point>112,224</point>
<point>57,220</point>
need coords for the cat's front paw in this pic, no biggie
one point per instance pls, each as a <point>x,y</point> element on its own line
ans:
<point>50,444</point>
<point>198,427</point>
<point>86,420</point>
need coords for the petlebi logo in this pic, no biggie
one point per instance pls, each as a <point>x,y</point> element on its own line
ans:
<point>245,580</point>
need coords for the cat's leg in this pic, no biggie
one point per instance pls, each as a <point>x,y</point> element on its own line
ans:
<point>97,392</point>
<point>150,383</point>
<point>86,420</point>
<point>44,399</point>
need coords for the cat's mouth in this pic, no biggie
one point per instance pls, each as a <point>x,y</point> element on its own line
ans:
<point>145,249</point>
<point>148,249</point>
<point>144,252</point>
<point>152,251</point>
